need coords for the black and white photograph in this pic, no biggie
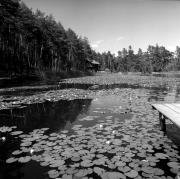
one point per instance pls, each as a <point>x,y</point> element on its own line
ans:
<point>89,89</point>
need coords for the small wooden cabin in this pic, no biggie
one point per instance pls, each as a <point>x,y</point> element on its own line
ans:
<point>92,65</point>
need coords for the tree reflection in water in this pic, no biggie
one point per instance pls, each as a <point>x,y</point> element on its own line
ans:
<point>54,115</point>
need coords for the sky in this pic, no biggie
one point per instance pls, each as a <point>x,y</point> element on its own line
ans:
<point>111,25</point>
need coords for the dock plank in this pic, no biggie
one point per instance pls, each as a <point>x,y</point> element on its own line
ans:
<point>174,108</point>
<point>177,105</point>
<point>169,111</point>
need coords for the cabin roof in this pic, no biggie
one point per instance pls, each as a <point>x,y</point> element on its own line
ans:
<point>94,62</point>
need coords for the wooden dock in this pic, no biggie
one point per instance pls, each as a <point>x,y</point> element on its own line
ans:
<point>168,111</point>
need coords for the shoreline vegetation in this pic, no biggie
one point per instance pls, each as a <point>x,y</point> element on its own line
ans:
<point>34,46</point>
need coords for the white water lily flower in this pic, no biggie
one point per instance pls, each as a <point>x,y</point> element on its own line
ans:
<point>108,142</point>
<point>3,138</point>
<point>31,151</point>
<point>100,125</point>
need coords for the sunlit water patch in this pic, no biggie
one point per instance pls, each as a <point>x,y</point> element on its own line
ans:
<point>115,134</point>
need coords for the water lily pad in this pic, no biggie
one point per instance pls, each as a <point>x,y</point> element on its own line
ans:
<point>11,160</point>
<point>99,171</point>
<point>75,159</point>
<point>148,170</point>
<point>86,163</point>
<point>53,174</point>
<point>16,152</point>
<point>4,129</point>
<point>24,159</point>
<point>132,174</point>
<point>161,156</point>
<point>174,165</point>
<point>44,163</point>
<point>158,171</point>
<point>115,175</point>
<point>120,164</point>
<point>65,176</point>
<point>16,132</point>
<point>25,144</point>
<point>81,173</point>
<point>59,162</point>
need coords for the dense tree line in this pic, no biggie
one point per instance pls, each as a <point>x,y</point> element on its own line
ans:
<point>155,59</point>
<point>35,41</point>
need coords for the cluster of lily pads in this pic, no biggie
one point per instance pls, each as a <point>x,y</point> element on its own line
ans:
<point>109,79</point>
<point>56,95</point>
<point>9,102</point>
<point>53,95</point>
<point>111,149</point>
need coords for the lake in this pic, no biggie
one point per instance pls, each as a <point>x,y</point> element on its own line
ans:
<point>90,127</point>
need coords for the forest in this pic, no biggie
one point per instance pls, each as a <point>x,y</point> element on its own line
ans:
<point>34,42</point>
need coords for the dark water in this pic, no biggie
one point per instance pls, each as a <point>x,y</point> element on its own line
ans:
<point>63,115</point>
<point>56,116</point>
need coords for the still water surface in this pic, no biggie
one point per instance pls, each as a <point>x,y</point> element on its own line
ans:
<point>63,115</point>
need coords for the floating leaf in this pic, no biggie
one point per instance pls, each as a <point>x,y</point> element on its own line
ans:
<point>132,174</point>
<point>75,159</point>
<point>24,159</point>
<point>17,152</point>
<point>86,163</point>
<point>16,133</point>
<point>158,171</point>
<point>115,175</point>
<point>161,156</point>
<point>53,174</point>
<point>174,165</point>
<point>67,176</point>
<point>11,160</point>
<point>120,164</point>
<point>25,144</point>
<point>4,129</point>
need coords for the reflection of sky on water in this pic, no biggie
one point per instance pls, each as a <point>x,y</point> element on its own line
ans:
<point>106,101</point>
<point>169,95</point>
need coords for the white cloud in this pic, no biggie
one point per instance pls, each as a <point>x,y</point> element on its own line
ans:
<point>171,48</point>
<point>115,53</point>
<point>120,38</point>
<point>96,43</point>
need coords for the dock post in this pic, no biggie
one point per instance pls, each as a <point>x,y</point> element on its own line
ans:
<point>164,124</point>
<point>162,120</point>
